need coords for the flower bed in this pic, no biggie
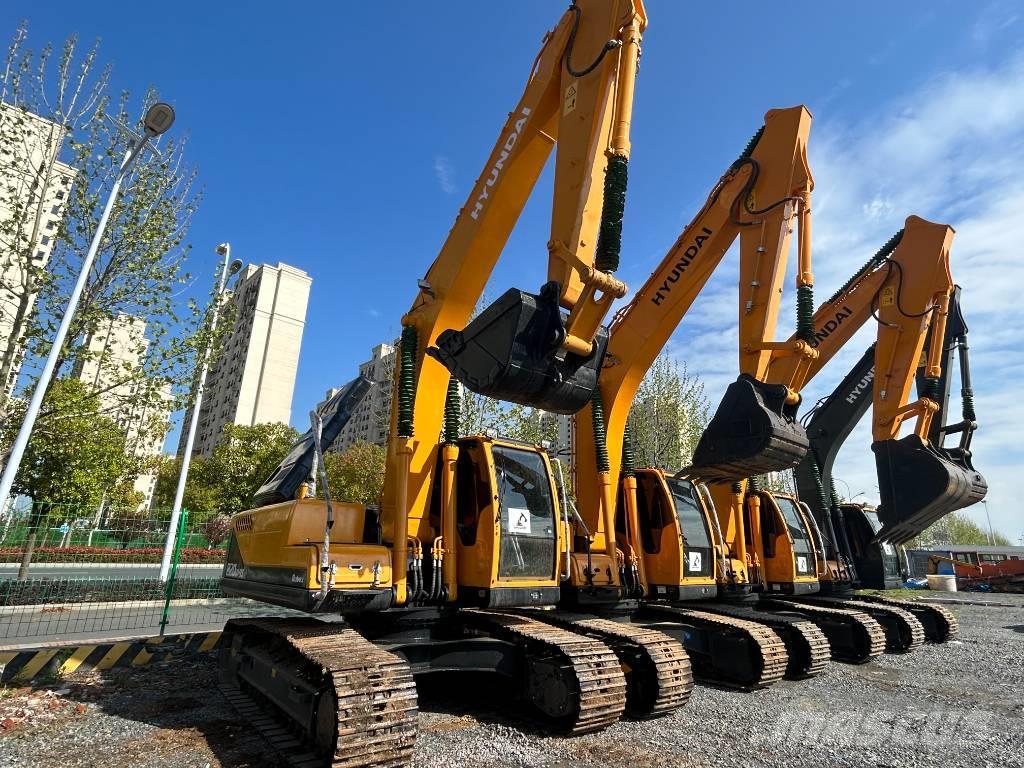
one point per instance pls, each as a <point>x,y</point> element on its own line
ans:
<point>108,555</point>
<point>45,591</point>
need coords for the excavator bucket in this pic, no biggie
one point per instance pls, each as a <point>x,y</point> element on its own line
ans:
<point>920,483</point>
<point>512,351</point>
<point>754,431</point>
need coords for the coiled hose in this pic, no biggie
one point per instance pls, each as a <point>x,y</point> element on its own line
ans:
<point>609,238</point>
<point>406,383</point>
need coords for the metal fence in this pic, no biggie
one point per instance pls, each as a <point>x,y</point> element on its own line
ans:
<point>69,574</point>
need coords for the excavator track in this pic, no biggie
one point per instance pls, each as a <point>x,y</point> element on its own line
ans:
<point>320,693</point>
<point>903,632</point>
<point>573,679</point>
<point>940,625</point>
<point>659,678</point>
<point>806,645</point>
<point>853,636</point>
<point>759,644</point>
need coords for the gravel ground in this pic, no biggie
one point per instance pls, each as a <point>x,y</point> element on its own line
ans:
<point>957,704</point>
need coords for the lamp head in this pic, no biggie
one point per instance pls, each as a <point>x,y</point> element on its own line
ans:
<point>158,119</point>
<point>236,265</point>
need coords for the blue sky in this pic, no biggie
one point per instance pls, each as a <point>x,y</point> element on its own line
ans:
<point>343,138</point>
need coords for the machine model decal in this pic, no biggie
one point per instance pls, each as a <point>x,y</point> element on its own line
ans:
<point>694,560</point>
<point>680,266</point>
<point>519,521</point>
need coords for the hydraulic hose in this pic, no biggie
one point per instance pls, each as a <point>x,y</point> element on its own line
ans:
<point>609,237</point>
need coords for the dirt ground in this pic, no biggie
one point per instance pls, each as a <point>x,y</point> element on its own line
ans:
<point>958,704</point>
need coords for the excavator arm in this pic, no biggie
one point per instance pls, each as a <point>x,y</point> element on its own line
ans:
<point>524,348</point>
<point>760,199</point>
<point>906,286</point>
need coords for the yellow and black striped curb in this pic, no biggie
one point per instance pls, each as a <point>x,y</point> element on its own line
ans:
<point>51,663</point>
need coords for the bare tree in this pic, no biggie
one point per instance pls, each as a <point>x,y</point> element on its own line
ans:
<point>37,112</point>
<point>668,416</point>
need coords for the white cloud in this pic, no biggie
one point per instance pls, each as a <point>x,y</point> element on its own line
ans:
<point>445,173</point>
<point>953,152</point>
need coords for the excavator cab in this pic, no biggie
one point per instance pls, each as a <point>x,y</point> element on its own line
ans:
<point>507,550</point>
<point>877,563</point>
<point>513,351</point>
<point>508,524</point>
<point>789,552</point>
<point>753,432</point>
<point>675,537</point>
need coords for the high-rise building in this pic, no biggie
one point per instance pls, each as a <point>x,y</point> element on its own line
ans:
<point>369,422</point>
<point>254,377</point>
<point>34,189</point>
<point>111,366</point>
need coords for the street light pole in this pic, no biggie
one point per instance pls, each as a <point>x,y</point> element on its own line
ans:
<point>991,537</point>
<point>227,270</point>
<point>158,119</point>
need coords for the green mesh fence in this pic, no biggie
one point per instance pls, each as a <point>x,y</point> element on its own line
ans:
<point>69,574</point>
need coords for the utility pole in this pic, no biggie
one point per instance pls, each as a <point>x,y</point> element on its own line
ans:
<point>228,269</point>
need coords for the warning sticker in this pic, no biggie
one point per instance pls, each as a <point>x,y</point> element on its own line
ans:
<point>801,564</point>
<point>569,103</point>
<point>887,548</point>
<point>694,559</point>
<point>518,520</point>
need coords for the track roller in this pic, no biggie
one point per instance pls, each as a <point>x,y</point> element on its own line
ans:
<point>659,679</point>
<point>903,632</point>
<point>806,645</point>
<point>853,636</point>
<point>940,625</point>
<point>575,681</point>
<point>320,693</point>
<point>723,650</point>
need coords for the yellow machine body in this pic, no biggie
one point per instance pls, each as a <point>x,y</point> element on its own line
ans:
<point>676,537</point>
<point>789,550</point>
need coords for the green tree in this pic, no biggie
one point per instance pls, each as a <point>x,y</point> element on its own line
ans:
<point>669,415</point>
<point>242,461</point>
<point>957,528</point>
<point>33,181</point>
<point>531,425</point>
<point>139,269</point>
<point>356,474</point>
<point>77,459</point>
<point>201,491</point>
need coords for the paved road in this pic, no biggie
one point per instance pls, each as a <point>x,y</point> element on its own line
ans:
<point>106,570</point>
<point>24,626</point>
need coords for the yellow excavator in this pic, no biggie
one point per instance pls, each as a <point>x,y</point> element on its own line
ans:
<point>779,543</point>
<point>763,197</point>
<point>468,527</point>
<point>908,289</point>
